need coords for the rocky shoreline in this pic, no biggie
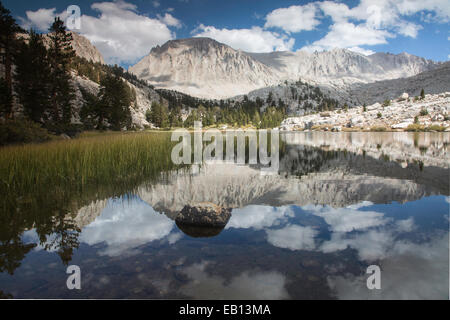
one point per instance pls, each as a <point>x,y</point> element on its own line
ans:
<point>430,113</point>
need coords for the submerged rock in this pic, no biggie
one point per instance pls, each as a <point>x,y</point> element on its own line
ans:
<point>199,232</point>
<point>204,215</point>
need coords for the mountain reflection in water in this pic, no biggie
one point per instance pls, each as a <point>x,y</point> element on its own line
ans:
<point>340,203</point>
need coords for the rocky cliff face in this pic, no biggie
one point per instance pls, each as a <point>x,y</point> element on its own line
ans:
<point>145,96</point>
<point>82,46</point>
<point>85,49</point>
<point>205,68</point>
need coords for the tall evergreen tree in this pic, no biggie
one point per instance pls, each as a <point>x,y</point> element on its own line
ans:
<point>89,114</point>
<point>175,118</point>
<point>115,98</point>
<point>8,44</point>
<point>159,115</point>
<point>60,55</point>
<point>5,99</point>
<point>33,77</point>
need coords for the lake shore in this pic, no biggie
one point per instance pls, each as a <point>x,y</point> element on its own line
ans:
<point>430,113</point>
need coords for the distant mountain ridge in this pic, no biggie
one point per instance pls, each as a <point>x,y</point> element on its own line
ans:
<point>205,68</point>
<point>339,63</point>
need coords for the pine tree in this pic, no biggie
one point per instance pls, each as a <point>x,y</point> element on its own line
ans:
<point>270,98</point>
<point>422,94</point>
<point>32,77</point>
<point>89,114</point>
<point>8,45</point>
<point>5,99</point>
<point>256,119</point>
<point>114,103</point>
<point>175,119</point>
<point>60,55</point>
<point>159,115</point>
<point>194,116</point>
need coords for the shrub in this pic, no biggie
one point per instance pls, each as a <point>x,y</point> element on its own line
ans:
<point>415,127</point>
<point>422,94</point>
<point>424,112</point>
<point>72,130</point>
<point>386,103</point>
<point>435,127</point>
<point>378,129</point>
<point>22,131</point>
<point>379,115</point>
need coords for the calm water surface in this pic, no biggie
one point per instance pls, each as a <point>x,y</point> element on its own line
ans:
<point>341,202</point>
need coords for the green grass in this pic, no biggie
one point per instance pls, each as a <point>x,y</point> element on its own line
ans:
<point>114,158</point>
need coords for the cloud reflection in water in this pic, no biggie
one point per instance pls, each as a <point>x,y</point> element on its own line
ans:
<point>126,224</point>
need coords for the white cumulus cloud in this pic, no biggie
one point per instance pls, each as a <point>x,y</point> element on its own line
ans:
<point>374,22</point>
<point>169,20</point>
<point>440,8</point>
<point>347,34</point>
<point>120,33</point>
<point>254,39</point>
<point>123,35</point>
<point>41,19</point>
<point>294,18</point>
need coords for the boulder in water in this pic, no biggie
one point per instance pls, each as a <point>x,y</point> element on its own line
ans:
<point>204,215</point>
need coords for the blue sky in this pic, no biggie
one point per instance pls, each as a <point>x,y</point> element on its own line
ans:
<point>125,31</point>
